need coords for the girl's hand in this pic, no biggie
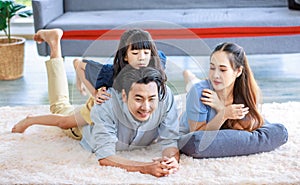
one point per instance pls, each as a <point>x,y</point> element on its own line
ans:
<point>102,95</point>
<point>211,99</point>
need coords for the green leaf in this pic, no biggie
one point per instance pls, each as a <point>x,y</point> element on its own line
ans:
<point>3,24</point>
<point>26,13</point>
<point>9,9</point>
<point>5,3</point>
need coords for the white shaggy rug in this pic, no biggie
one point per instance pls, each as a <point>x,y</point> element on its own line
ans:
<point>44,155</point>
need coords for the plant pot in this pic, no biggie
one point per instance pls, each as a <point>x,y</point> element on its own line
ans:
<point>11,58</point>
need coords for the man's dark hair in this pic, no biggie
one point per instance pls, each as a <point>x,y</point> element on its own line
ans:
<point>129,75</point>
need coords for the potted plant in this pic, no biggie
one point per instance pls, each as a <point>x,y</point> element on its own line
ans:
<point>11,48</point>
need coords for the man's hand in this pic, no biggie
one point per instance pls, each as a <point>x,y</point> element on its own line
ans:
<point>170,164</point>
<point>158,167</point>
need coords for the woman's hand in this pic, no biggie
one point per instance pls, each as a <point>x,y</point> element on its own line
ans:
<point>210,98</point>
<point>102,95</point>
<point>236,111</point>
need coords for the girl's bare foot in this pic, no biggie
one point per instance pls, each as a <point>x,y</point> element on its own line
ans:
<point>79,84</point>
<point>22,125</point>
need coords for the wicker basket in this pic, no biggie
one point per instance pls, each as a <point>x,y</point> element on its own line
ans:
<point>11,58</point>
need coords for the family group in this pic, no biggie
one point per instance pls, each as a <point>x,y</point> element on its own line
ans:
<point>131,106</point>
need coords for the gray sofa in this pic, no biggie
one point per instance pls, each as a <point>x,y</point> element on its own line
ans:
<point>260,26</point>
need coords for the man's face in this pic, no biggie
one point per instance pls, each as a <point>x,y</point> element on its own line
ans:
<point>142,100</point>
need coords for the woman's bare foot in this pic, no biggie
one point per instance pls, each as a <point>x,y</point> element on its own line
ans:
<point>188,76</point>
<point>52,37</point>
<point>22,125</point>
<point>190,79</point>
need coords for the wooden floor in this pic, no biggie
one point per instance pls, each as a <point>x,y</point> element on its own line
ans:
<point>277,75</point>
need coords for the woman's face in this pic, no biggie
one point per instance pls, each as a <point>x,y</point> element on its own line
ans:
<point>221,74</point>
<point>138,58</point>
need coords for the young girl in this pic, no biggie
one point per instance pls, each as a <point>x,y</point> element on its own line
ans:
<point>228,99</point>
<point>136,48</point>
<point>95,77</point>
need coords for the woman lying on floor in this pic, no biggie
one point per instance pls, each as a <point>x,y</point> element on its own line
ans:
<point>227,100</point>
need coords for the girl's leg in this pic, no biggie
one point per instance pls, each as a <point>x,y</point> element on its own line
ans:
<point>62,121</point>
<point>81,82</point>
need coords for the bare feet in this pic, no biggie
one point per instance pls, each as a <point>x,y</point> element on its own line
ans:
<point>79,84</point>
<point>48,35</point>
<point>22,125</point>
<point>52,37</point>
<point>190,79</point>
<point>188,76</point>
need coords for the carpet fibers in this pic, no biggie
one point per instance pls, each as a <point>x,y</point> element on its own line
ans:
<point>44,155</point>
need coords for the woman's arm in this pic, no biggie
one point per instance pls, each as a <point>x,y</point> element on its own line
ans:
<point>213,124</point>
<point>235,112</point>
<point>223,112</point>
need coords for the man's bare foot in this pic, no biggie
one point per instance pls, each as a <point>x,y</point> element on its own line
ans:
<point>22,125</point>
<point>52,37</point>
<point>48,35</point>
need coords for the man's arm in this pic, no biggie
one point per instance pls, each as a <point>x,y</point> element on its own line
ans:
<point>171,158</point>
<point>169,133</point>
<point>103,142</point>
<point>171,152</point>
<point>154,168</point>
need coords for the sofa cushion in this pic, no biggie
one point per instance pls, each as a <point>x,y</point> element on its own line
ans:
<point>258,25</point>
<point>90,5</point>
<point>189,18</point>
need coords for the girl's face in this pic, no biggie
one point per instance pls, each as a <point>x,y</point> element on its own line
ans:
<point>221,74</point>
<point>138,58</point>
